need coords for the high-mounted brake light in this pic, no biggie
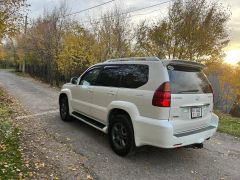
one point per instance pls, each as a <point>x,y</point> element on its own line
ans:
<point>162,96</point>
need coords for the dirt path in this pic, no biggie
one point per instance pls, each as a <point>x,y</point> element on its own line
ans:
<point>220,158</point>
<point>45,154</point>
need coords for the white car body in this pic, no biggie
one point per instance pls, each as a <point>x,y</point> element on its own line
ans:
<point>165,127</point>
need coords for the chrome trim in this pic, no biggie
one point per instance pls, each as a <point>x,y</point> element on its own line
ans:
<point>195,105</point>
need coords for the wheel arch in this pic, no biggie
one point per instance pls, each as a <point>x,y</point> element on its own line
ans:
<point>61,95</point>
<point>120,107</point>
<point>116,111</point>
<point>67,94</point>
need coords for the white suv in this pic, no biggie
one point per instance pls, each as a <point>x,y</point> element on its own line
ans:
<point>143,101</point>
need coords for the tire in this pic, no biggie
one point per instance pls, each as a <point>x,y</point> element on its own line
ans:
<point>64,109</point>
<point>121,135</point>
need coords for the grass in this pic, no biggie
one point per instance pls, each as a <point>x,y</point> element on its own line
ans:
<point>11,161</point>
<point>229,125</point>
<point>22,74</point>
<point>18,73</point>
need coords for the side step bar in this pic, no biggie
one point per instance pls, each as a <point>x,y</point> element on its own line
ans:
<point>89,121</point>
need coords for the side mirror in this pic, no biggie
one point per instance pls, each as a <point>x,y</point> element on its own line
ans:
<point>74,80</point>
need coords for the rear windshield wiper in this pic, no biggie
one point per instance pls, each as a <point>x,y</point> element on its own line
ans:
<point>191,90</point>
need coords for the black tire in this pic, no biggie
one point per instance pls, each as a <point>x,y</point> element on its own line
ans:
<point>121,135</point>
<point>64,109</point>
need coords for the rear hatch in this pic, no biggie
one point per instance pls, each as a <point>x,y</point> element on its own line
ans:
<point>191,98</point>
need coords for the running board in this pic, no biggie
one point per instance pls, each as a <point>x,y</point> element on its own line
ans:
<point>89,121</point>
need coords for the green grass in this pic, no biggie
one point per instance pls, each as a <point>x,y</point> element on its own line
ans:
<point>18,73</point>
<point>11,161</point>
<point>229,125</point>
<point>21,74</point>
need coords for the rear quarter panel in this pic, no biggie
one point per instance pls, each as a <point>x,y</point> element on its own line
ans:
<point>142,96</point>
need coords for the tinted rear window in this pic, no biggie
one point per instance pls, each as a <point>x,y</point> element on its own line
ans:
<point>134,75</point>
<point>185,80</point>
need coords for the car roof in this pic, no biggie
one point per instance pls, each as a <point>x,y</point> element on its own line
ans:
<point>133,59</point>
<point>149,60</point>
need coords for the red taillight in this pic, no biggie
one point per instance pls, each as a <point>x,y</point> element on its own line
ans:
<point>162,96</point>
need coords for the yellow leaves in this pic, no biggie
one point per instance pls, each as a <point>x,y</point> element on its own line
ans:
<point>3,148</point>
<point>6,166</point>
<point>76,52</point>
<point>3,53</point>
<point>30,174</point>
<point>11,17</point>
<point>228,86</point>
<point>89,177</point>
<point>21,55</point>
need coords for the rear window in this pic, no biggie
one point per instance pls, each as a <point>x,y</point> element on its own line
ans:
<point>185,80</point>
<point>134,75</point>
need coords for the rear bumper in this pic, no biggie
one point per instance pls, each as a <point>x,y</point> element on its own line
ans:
<point>160,133</point>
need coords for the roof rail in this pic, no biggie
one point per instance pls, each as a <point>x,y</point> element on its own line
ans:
<point>134,59</point>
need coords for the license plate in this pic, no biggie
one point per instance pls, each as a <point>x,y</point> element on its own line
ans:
<point>196,112</point>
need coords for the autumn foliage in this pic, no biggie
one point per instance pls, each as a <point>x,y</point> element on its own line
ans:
<point>225,80</point>
<point>56,47</point>
<point>11,16</point>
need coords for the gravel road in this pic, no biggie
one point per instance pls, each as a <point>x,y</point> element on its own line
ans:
<point>219,159</point>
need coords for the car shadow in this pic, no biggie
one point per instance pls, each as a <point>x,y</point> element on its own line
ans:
<point>94,145</point>
<point>101,139</point>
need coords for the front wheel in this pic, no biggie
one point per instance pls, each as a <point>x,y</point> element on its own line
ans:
<point>121,135</point>
<point>64,109</point>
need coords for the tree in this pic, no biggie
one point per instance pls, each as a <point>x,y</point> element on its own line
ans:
<point>226,84</point>
<point>235,111</point>
<point>43,42</point>
<point>77,52</point>
<point>193,30</point>
<point>8,54</point>
<point>2,53</point>
<point>113,34</point>
<point>11,16</point>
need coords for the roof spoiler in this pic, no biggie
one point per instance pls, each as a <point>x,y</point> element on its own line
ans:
<point>183,63</point>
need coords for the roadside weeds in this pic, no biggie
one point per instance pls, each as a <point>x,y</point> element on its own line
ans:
<point>12,164</point>
<point>229,125</point>
<point>42,155</point>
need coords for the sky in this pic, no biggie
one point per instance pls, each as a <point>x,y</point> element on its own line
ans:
<point>232,50</point>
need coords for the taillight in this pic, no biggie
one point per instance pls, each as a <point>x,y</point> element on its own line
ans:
<point>162,96</point>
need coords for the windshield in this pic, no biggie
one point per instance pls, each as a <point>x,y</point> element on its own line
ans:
<point>185,80</point>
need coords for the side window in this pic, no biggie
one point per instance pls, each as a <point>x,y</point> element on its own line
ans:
<point>134,76</point>
<point>90,77</point>
<point>110,77</point>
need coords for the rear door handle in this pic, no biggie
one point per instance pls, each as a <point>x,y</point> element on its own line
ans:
<point>90,91</point>
<point>111,93</point>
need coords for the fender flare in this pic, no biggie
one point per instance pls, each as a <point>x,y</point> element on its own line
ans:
<point>68,93</point>
<point>128,107</point>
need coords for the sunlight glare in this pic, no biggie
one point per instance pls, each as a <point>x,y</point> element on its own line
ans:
<point>232,56</point>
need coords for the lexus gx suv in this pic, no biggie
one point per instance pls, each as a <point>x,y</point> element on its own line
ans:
<point>143,101</point>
